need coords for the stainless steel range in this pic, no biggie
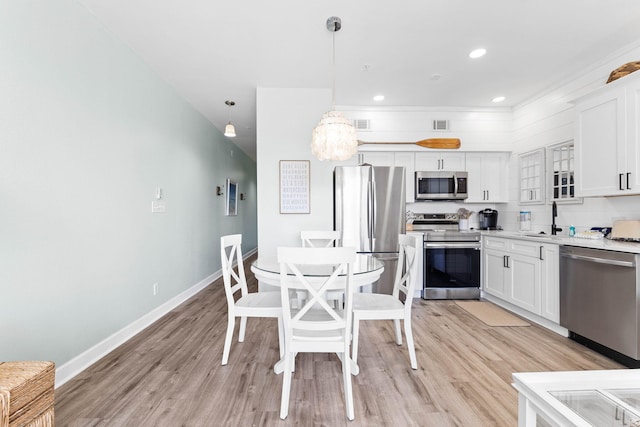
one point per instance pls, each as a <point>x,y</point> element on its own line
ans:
<point>451,257</point>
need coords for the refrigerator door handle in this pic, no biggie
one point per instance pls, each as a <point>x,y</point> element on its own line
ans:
<point>367,245</point>
<point>374,216</point>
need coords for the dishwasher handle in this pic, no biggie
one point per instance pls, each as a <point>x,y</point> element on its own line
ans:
<point>600,260</point>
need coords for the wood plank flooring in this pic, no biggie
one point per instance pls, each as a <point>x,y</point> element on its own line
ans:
<point>170,374</point>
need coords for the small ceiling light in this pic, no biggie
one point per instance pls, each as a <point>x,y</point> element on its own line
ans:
<point>477,53</point>
<point>378,98</point>
<point>498,99</point>
<point>334,138</point>
<point>229,129</point>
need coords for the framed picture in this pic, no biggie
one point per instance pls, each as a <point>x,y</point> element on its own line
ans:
<point>231,207</point>
<point>294,187</point>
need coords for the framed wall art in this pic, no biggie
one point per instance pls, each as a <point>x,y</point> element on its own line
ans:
<point>231,205</point>
<point>294,186</point>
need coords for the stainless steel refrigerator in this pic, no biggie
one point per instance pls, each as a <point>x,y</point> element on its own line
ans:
<point>369,210</point>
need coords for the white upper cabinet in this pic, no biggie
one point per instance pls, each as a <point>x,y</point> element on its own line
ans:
<point>378,158</point>
<point>440,161</point>
<point>487,181</point>
<point>532,177</point>
<point>607,140</point>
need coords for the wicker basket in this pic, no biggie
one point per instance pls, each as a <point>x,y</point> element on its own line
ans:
<point>26,394</point>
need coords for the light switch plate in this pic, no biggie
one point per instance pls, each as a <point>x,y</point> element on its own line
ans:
<point>158,206</point>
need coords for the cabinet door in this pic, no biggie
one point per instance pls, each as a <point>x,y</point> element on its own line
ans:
<point>408,161</point>
<point>378,158</point>
<point>494,274</point>
<point>600,143</point>
<point>453,161</point>
<point>532,177</point>
<point>633,138</point>
<point>525,282</point>
<point>428,161</point>
<point>487,177</point>
<point>550,289</point>
<point>440,161</point>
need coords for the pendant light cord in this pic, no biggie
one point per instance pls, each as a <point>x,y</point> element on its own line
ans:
<point>333,74</point>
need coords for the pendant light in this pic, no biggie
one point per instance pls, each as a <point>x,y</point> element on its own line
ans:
<point>229,129</point>
<point>335,137</point>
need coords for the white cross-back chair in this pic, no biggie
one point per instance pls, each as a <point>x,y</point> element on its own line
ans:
<point>321,239</point>
<point>316,327</point>
<point>255,304</point>
<point>382,306</point>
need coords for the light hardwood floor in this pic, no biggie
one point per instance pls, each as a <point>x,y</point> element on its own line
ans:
<point>170,374</point>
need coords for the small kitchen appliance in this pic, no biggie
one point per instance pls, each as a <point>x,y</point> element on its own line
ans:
<point>488,219</point>
<point>441,185</point>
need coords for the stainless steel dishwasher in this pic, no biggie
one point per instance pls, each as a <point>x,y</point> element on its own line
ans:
<point>599,300</point>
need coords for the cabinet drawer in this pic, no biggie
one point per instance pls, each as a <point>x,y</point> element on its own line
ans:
<point>523,247</point>
<point>495,243</point>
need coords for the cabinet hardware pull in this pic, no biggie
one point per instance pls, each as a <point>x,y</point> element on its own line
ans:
<point>541,259</point>
<point>628,176</point>
<point>505,261</point>
<point>620,181</point>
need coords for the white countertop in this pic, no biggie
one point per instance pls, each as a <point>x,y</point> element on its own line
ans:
<point>606,244</point>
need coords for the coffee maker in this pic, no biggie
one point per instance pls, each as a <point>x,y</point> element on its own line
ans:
<point>488,219</point>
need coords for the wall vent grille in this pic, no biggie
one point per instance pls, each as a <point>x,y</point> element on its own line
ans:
<point>362,124</point>
<point>441,125</point>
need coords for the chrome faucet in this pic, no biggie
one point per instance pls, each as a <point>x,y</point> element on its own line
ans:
<point>554,214</point>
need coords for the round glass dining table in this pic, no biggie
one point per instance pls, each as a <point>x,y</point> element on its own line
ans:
<point>366,270</point>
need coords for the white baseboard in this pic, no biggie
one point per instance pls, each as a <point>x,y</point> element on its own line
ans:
<point>85,359</point>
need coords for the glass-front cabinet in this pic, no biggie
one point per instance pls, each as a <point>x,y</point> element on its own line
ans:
<point>561,172</point>
<point>532,177</point>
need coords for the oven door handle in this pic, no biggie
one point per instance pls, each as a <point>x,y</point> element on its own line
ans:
<point>447,245</point>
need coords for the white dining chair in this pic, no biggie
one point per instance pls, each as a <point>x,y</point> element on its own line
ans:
<point>321,239</point>
<point>316,327</point>
<point>255,304</point>
<point>381,306</point>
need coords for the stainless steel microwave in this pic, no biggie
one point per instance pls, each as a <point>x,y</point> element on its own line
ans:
<point>441,185</point>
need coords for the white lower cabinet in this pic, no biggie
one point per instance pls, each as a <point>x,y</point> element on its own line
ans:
<point>522,273</point>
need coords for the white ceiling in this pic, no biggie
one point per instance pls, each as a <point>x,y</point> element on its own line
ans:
<point>212,51</point>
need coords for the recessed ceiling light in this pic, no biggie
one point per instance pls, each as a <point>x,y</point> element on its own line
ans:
<point>378,98</point>
<point>477,53</point>
<point>498,99</point>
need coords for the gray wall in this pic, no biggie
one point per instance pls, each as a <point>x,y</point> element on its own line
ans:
<point>87,134</point>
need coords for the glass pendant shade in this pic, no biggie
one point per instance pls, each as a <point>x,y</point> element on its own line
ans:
<point>229,130</point>
<point>334,138</point>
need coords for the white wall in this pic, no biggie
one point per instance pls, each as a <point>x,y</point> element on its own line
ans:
<point>87,134</point>
<point>286,118</point>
